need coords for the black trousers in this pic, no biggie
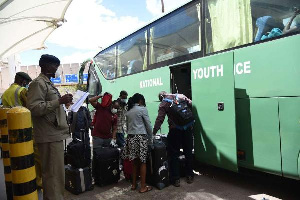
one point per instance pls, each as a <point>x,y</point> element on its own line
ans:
<point>177,139</point>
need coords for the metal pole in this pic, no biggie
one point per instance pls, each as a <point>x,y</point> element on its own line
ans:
<point>21,154</point>
<point>5,153</point>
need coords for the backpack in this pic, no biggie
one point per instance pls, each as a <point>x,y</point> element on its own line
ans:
<point>79,120</point>
<point>181,114</point>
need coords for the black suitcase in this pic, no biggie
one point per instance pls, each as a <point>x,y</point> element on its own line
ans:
<point>78,180</point>
<point>106,165</point>
<point>157,166</point>
<point>163,138</point>
<point>78,153</point>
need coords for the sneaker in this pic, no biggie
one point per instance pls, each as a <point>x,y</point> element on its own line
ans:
<point>189,179</point>
<point>176,183</point>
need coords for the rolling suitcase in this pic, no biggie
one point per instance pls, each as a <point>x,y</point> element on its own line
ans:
<point>106,165</point>
<point>78,153</point>
<point>157,166</point>
<point>181,158</point>
<point>78,180</point>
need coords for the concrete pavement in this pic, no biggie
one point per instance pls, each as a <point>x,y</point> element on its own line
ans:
<point>210,183</point>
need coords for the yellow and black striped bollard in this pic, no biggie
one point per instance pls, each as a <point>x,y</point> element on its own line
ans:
<point>21,154</point>
<point>5,152</point>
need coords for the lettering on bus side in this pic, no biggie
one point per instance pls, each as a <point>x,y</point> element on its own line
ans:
<point>242,68</point>
<point>207,72</point>
<point>217,71</point>
<point>151,83</point>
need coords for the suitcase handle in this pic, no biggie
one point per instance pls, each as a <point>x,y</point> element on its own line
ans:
<point>65,146</point>
<point>151,163</point>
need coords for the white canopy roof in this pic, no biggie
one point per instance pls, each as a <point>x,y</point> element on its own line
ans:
<point>26,24</point>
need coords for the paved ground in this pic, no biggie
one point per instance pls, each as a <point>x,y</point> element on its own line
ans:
<point>211,183</point>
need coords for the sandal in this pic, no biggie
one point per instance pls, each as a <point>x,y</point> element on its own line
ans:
<point>148,188</point>
<point>133,188</point>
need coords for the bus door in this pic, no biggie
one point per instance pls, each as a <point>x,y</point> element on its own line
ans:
<point>212,85</point>
<point>181,80</point>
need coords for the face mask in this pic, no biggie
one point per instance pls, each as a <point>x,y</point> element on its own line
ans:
<point>57,74</point>
<point>114,111</point>
<point>124,100</point>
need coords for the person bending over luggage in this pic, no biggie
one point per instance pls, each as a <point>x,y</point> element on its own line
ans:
<point>139,134</point>
<point>105,124</point>
<point>180,133</point>
<point>121,125</point>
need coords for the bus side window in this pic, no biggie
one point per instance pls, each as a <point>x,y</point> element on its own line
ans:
<point>132,54</point>
<point>135,66</point>
<point>106,61</point>
<point>234,23</point>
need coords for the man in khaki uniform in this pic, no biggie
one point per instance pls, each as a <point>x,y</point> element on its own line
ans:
<point>50,126</point>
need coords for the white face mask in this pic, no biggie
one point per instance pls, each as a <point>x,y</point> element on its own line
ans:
<point>114,111</point>
<point>57,74</point>
<point>124,100</point>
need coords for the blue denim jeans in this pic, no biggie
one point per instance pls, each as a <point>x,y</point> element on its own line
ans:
<point>120,139</point>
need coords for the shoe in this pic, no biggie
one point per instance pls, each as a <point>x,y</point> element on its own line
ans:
<point>189,179</point>
<point>176,183</point>
<point>148,188</point>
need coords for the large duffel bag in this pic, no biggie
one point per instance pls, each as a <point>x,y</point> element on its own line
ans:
<point>78,180</point>
<point>106,165</point>
<point>157,166</point>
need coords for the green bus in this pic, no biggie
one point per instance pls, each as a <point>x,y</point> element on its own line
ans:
<point>239,62</point>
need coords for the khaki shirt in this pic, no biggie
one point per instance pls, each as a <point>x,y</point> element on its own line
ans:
<point>48,116</point>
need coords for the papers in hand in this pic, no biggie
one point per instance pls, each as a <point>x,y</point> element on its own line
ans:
<point>78,99</point>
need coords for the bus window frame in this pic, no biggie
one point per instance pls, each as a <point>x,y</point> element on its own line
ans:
<point>182,58</point>
<point>146,28</point>
<point>172,61</point>
<point>114,46</point>
<point>204,3</point>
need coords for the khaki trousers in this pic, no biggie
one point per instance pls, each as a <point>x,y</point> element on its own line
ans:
<point>38,165</point>
<point>53,170</point>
